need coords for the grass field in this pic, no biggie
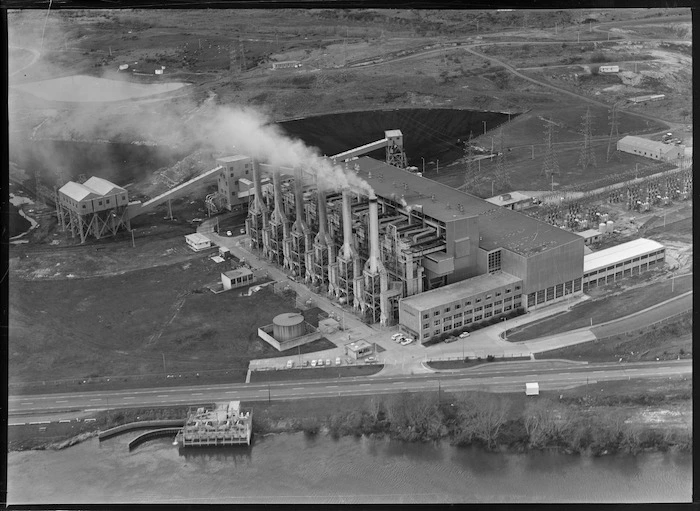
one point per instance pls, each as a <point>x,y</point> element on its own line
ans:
<point>128,324</point>
<point>604,309</point>
<point>464,364</point>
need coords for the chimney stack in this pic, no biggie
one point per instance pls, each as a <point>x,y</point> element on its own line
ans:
<point>373,235</point>
<point>347,226</point>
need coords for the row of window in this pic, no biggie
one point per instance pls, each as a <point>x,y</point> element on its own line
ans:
<point>549,294</point>
<point>612,277</point>
<point>658,255</point>
<point>458,324</point>
<point>457,306</point>
<point>99,203</point>
<point>457,318</point>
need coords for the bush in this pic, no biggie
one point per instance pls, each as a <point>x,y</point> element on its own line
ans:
<point>310,426</point>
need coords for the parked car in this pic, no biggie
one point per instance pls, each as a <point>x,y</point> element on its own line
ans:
<point>450,339</point>
<point>406,341</point>
<point>242,231</point>
<point>396,336</point>
<point>371,359</point>
<point>320,362</point>
<point>290,364</point>
<point>337,361</point>
<point>464,335</point>
<point>306,363</point>
<point>313,363</point>
<point>328,361</point>
<point>229,233</point>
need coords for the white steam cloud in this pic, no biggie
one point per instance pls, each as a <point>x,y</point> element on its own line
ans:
<point>249,132</point>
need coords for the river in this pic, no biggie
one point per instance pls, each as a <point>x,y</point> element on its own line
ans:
<point>296,469</point>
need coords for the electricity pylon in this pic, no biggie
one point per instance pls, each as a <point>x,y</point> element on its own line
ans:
<point>614,134</point>
<point>587,156</point>
<point>550,165</point>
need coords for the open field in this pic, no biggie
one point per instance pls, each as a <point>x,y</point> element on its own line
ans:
<point>609,306</point>
<point>665,342</point>
<point>134,324</point>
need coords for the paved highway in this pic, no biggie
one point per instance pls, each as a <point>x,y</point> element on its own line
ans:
<point>550,375</point>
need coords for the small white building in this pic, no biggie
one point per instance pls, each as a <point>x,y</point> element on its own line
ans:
<point>609,69</point>
<point>287,64</point>
<point>240,277</point>
<point>623,260</point>
<point>197,241</point>
<point>650,148</point>
<point>532,389</point>
<point>591,236</point>
<point>514,201</point>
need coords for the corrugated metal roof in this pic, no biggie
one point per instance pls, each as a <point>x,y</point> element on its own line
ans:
<point>77,192</point>
<point>619,253</point>
<point>459,290</point>
<point>102,186</point>
<point>498,227</point>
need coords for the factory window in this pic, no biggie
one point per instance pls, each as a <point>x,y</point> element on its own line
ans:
<point>436,313</point>
<point>499,302</point>
<point>508,299</point>
<point>458,306</point>
<point>531,299</point>
<point>507,308</point>
<point>458,315</point>
<point>426,325</point>
<point>231,174</point>
<point>611,268</point>
<point>618,265</point>
<point>517,297</point>
<point>567,288</point>
<point>488,306</point>
<point>437,331</point>
<point>477,318</point>
<point>488,314</point>
<point>83,206</point>
<point>477,309</point>
<point>517,304</point>
<point>123,197</point>
<point>627,273</point>
<point>540,296</point>
<point>494,261</point>
<point>458,324</point>
<point>426,316</point>
<point>618,275</point>
<point>447,309</point>
<point>468,302</point>
<point>550,293</point>
<point>507,290</point>
<point>467,312</point>
<point>107,201</point>
<point>478,300</point>
<point>497,311</point>
<point>498,293</point>
<point>467,321</point>
<point>517,288</point>
<point>99,202</point>
<point>560,290</point>
<point>437,323</point>
<point>447,328</point>
<point>425,336</point>
<point>577,284</point>
<point>488,297</point>
<point>446,319</point>
<point>246,171</point>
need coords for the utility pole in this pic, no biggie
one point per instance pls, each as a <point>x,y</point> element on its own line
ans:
<point>269,396</point>
<point>550,164</point>
<point>164,370</point>
<point>614,132</point>
<point>484,122</point>
<point>133,245</point>
<point>437,165</point>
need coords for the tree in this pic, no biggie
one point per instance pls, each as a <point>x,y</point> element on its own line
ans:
<point>481,417</point>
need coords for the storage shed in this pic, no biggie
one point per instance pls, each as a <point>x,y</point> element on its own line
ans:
<point>532,389</point>
<point>197,241</point>
<point>239,277</point>
<point>650,148</point>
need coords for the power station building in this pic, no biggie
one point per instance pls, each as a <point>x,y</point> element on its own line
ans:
<point>411,247</point>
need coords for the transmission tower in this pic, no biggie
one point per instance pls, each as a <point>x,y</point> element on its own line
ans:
<point>614,134</point>
<point>502,171</point>
<point>587,156</point>
<point>550,165</point>
<point>470,171</point>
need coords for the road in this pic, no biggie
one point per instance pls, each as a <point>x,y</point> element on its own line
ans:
<point>497,377</point>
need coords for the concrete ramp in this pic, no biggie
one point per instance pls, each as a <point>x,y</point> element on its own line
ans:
<point>136,209</point>
<point>367,148</point>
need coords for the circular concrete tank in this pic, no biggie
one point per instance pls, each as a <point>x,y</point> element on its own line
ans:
<point>289,325</point>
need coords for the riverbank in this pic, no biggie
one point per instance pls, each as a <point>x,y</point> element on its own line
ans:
<point>597,419</point>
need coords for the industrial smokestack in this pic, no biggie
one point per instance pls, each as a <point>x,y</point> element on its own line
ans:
<point>321,236</point>
<point>373,260</point>
<point>347,226</point>
<point>277,187</point>
<point>259,205</point>
<point>300,224</point>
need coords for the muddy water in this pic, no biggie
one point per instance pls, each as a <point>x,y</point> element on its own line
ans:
<point>294,468</point>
